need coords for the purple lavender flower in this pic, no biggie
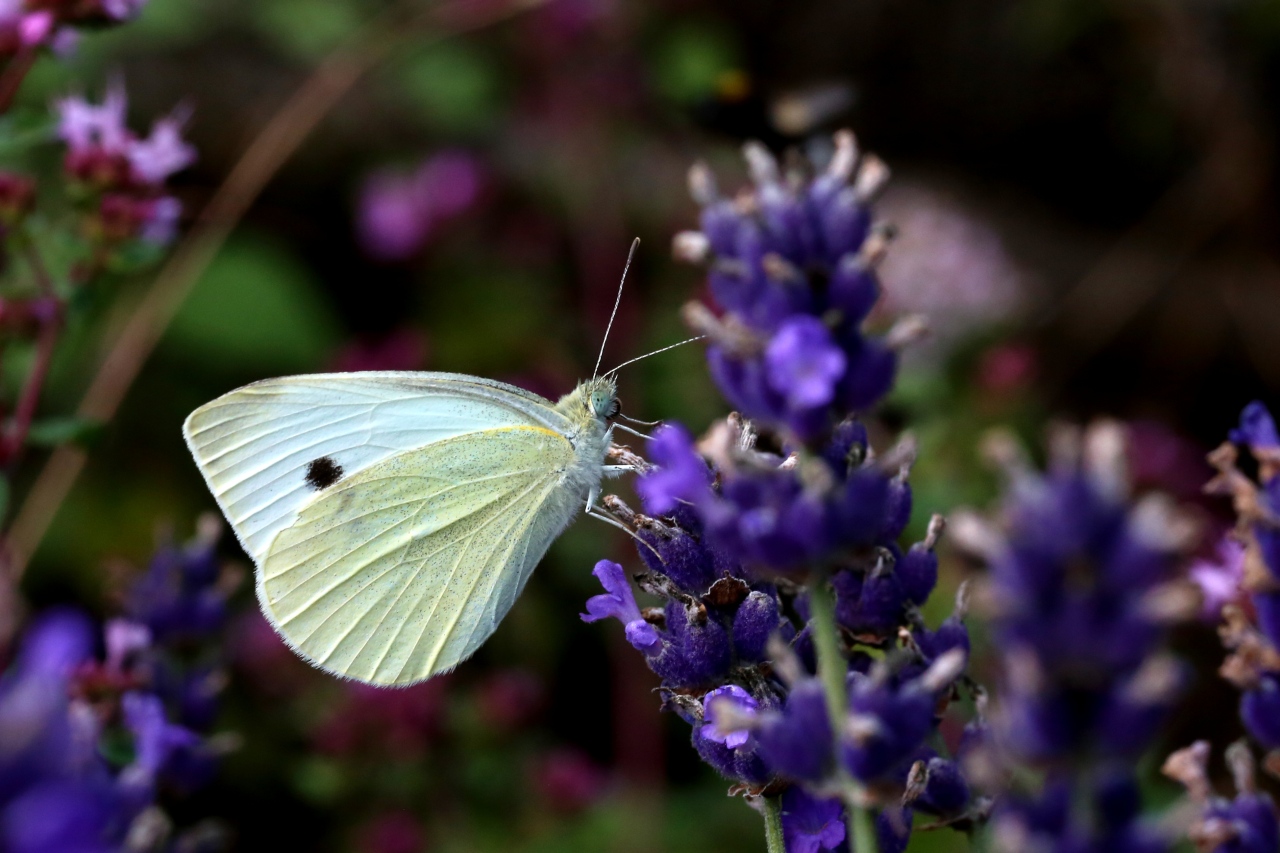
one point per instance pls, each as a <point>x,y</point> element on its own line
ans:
<point>810,824</point>
<point>792,268</point>
<point>1254,664</point>
<point>681,474</point>
<point>743,704</point>
<point>797,740</point>
<point>1257,428</point>
<point>803,363</point>
<point>793,510</point>
<point>619,603</point>
<point>1074,572</point>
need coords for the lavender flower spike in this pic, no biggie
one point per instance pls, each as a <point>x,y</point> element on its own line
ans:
<point>619,602</point>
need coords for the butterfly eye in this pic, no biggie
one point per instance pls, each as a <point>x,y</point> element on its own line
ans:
<point>615,408</point>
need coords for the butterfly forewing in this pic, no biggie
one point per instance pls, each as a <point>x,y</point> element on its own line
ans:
<point>268,449</point>
<point>403,570</point>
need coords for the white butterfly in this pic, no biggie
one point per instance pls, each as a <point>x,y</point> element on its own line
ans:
<point>395,517</point>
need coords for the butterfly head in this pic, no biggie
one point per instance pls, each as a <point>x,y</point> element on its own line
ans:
<point>602,398</point>
<point>594,400</point>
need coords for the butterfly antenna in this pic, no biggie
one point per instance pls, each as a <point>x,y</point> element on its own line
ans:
<point>616,302</point>
<point>638,422</point>
<point>655,352</point>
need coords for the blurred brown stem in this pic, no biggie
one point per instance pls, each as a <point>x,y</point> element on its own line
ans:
<point>274,144</point>
<point>15,71</point>
<point>50,311</point>
<point>25,410</point>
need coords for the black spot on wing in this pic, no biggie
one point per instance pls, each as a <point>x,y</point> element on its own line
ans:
<point>323,473</point>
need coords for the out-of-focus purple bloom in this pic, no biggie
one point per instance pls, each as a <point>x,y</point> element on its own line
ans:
<point>384,723</point>
<point>1074,573</point>
<point>1257,428</point>
<point>86,127</point>
<point>619,602</point>
<point>179,595</point>
<point>162,153</point>
<point>450,182</point>
<point>124,641</point>
<point>122,10</point>
<point>1249,823</point>
<point>390,223</point>
<point>1049,822</point>
<point>398,211</point>
<point>803,363</point>
<point>155,739</point>
<point>743,704</point>
<point>36,27</point>
<point>1219,580</point>
<point>511,699</point>
<point>104,153</point>
<point>796,741</point>
<point>810,824</point>
<point>568,780</point>
<point>160,221</point>
<point>681,474</point>
<point>1260,709</point>
<point>948,265</point>
<point>22,29</point>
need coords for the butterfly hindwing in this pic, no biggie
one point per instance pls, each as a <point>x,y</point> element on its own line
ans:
<point>403,569</point>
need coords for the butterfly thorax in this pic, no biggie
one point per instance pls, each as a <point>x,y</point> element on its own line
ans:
<point>589,408</point>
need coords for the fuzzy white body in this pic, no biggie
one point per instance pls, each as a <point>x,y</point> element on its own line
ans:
<point>395,517</point>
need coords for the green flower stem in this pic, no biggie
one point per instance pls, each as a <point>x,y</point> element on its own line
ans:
<point>833,669</point>
<point>774,842</point>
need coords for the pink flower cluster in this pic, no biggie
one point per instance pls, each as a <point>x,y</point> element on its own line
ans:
<point>26,25</point>
<point>126,173</point>
<point>399,211</point>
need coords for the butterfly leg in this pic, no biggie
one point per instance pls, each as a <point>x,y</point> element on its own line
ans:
<point>597,512</point>
<point>626,428</point>
<point>624,458</point>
